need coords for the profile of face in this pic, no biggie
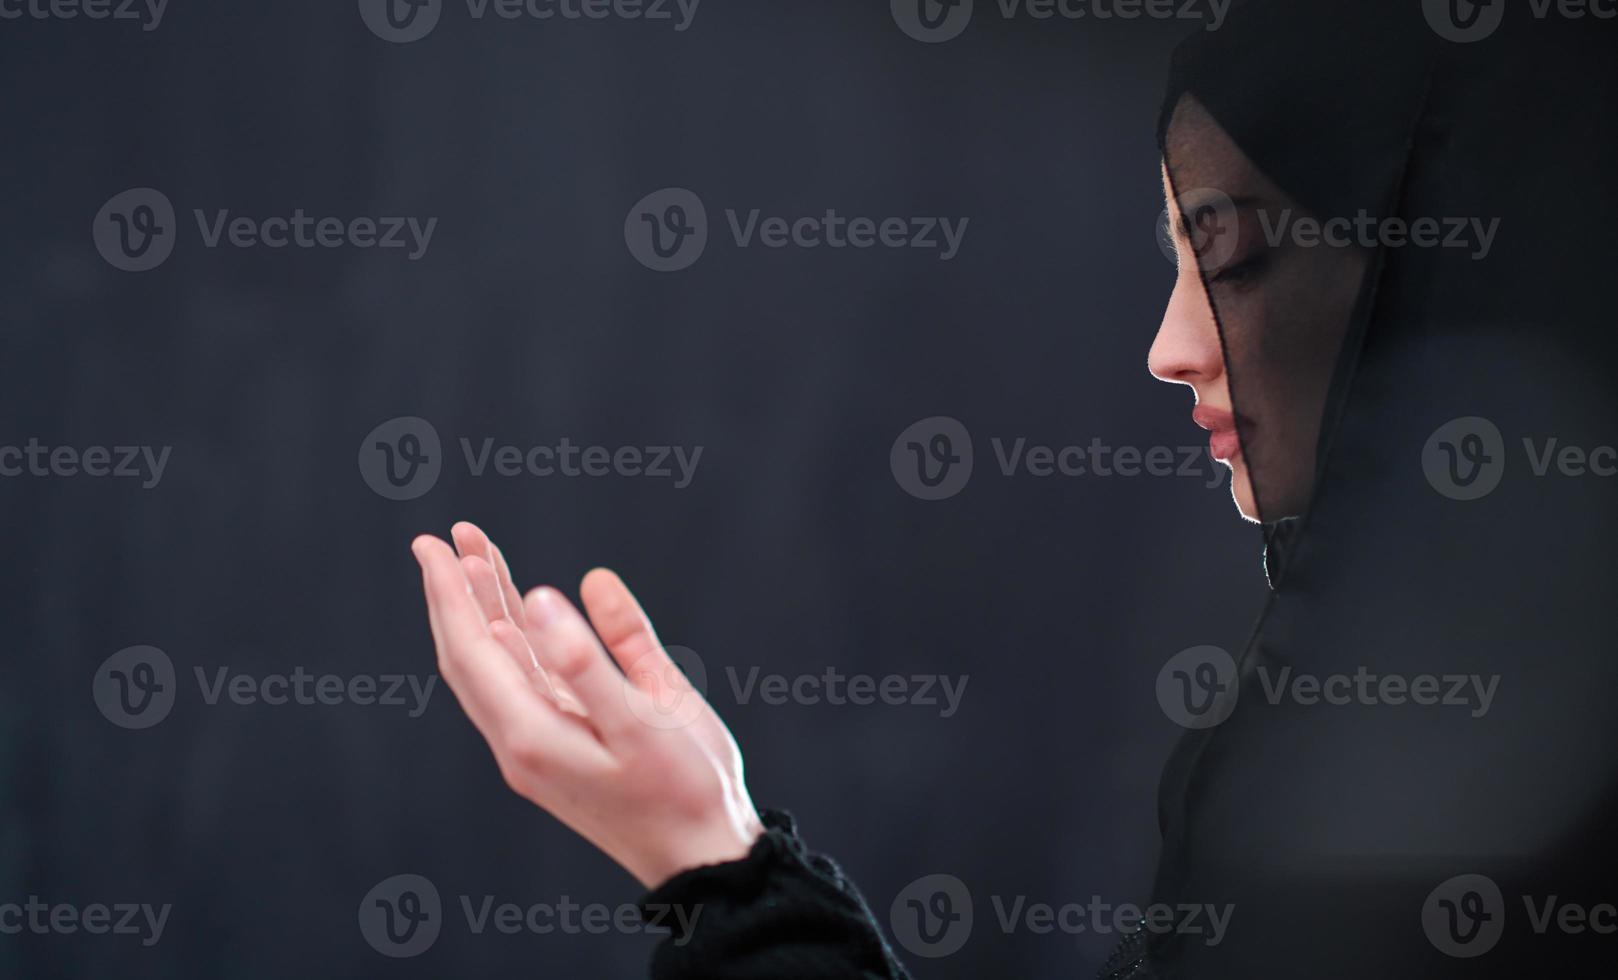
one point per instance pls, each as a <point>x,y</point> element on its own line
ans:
<point>1262,365</point>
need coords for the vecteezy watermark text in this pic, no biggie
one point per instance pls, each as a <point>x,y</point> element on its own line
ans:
<point>42,918</point>
<point>1468,21</point>
<point>402,459</point>
<point>1474,692</point>
<point>936,21</point>
<point>402,916</point>
<point>1465,458</point>
<point>35,459</point>
<point>300,687</point>
<point>667,231</point>
<point>137,687</point>
<point>1465,916</point>
<point>934,915</point>
<point>403,21</point>
<point>833,687</point>
<point>136,231</point>
<point>1198,688</point>
<point>934,459</point>
<point>1365,230</point>
<point>149,13</point>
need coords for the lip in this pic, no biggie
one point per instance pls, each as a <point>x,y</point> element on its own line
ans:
<point>1223,442</point>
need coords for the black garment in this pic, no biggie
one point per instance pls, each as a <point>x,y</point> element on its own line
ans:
<point>1435,526</point>
<point>1437,540</point>
<point>786,913</point>
<point>781,912</point>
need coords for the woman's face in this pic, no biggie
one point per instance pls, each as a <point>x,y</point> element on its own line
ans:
<point>1285,309</point>
<point>1188,351</point>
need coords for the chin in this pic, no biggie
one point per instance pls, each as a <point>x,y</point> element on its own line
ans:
<point>1241,491</point>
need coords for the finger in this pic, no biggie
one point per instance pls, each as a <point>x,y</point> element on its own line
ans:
<point>627,632</point>
<point>617,617</point>
<point>480,575</point>
<point>485,680</point>
<point>563,640</point>
<point>508,586</point>
<point>530,738</point>
<point>553,689</point>
<point>471,541</point>
<point>511,637</point>
<point>514,643</point>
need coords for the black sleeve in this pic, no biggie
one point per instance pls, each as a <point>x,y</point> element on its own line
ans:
<point>781,912</point>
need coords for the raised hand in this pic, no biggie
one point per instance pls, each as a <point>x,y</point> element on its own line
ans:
<point>633,760</point>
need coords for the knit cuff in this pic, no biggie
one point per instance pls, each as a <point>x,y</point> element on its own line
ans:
<point>731,883</point>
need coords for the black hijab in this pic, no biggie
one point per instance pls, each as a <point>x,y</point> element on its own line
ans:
<point>1451,521</point>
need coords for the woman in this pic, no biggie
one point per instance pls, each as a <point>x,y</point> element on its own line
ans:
<point>1369,381</point>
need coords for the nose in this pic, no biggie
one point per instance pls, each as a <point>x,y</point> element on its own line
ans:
<point>1186,350</point>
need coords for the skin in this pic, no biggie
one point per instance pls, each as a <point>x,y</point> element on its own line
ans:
<point>1286,309</point>
<point>591,720</point>
<point>1187,350</point>
<point>586,734</point>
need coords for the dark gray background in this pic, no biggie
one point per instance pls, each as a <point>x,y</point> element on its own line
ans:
<point>528,320</point>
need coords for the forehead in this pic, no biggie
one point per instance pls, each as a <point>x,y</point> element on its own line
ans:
<point>1201,157</point>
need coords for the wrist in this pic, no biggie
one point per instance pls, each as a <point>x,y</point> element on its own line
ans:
<point>721,842</point>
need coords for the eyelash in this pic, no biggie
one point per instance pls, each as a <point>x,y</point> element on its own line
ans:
<point>1239,273</point>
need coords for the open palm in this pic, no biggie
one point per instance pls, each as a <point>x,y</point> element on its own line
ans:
<point>623,749</point>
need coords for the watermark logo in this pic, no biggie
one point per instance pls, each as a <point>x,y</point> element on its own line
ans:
<point>932,459</point>
<point>404,21</point>
<point>402,916</point>
<point>41,918</point>
<point>932,916</point>
<point>1198,688</point>
<point>667,230</point>
<point>149,13</point>
<point>35,459</point>
<point>1469,21</point>
<point>1464,21</point>
<point>681,683</point>
<point>135,231</point>
<point>1368,231</point>
<point>833,687</point>
<point>1101,917</point>
<point>1465,458</point>
<point>135,687</point>
<point>932,21</point>
<point>401,459</point>
<point>1474,692</point>
<point>1465,916</point>
<point>401,21</point>
<point>1208,223</point>
<point>935,21</point>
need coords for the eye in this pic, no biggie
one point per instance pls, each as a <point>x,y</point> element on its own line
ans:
<point>1242,272</point>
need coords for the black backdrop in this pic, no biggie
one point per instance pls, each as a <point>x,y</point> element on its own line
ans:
<point>793,550</point>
